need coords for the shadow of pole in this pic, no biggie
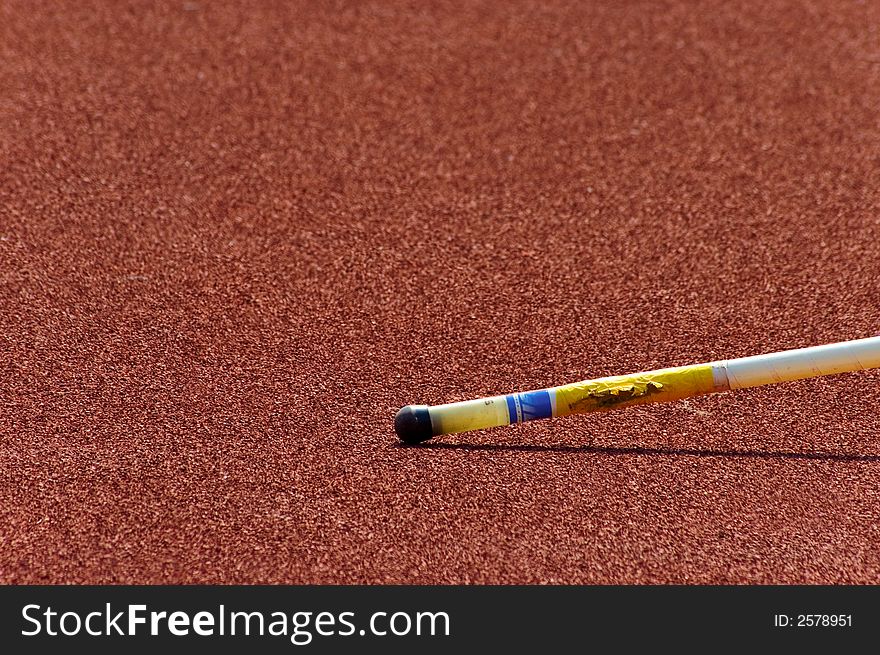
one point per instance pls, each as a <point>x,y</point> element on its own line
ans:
<point>657,452</point>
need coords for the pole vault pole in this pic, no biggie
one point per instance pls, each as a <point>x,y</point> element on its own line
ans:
<point>417,423</point>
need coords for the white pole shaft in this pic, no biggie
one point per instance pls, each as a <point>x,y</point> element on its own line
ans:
<point>802,363</point>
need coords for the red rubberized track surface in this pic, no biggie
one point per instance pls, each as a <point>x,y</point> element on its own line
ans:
<point>236,237</point>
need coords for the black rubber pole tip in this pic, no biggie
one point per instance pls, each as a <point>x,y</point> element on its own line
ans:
<point>413,424</point>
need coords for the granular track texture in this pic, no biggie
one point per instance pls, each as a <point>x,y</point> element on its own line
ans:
<point>236,237</point>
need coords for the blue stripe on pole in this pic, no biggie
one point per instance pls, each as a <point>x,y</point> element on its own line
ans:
<point>535,405</point>
<point>529,406</point>
<point>511,409</point>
